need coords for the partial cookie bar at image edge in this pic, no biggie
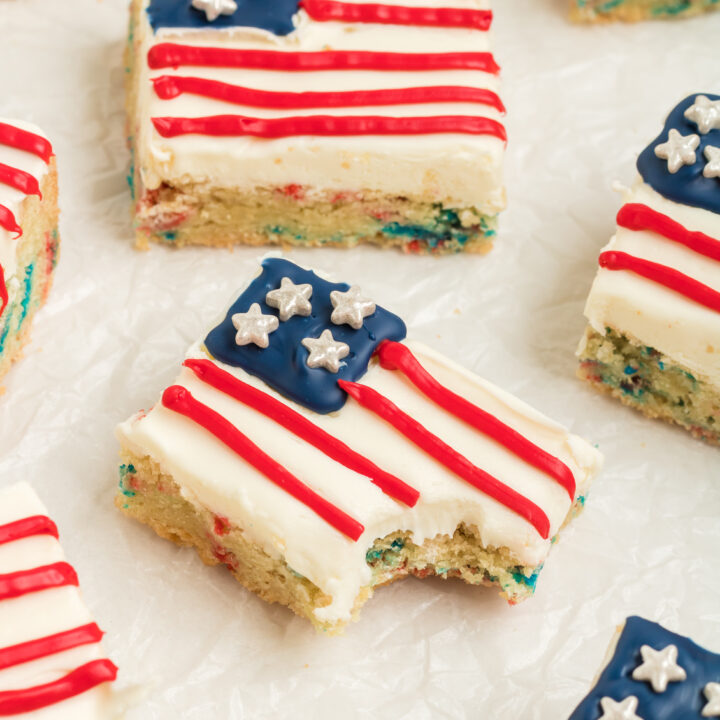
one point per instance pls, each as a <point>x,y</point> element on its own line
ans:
<point>653,338</point>
<point>248,130</point>
<point>52,663</point>
<point>589,11</point>
<point>323,455</point>
<point>29,240</point>
<point>650,673</point>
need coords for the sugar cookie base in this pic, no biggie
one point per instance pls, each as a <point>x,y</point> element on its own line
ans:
<point>642,378</point>
<point>636,10</point>
<point>151,496</point>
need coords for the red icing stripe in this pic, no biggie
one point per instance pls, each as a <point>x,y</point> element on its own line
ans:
<point>25,140</point>
<point>303,428</point>
<point>171,55</point>
<point>443,453</point>
<point>27,527</point>
<point>20,583</point>
<point>323,10</point>
<point>179,400</point>
<point>8,221</point>
<point>20,180</point>
<point>635,216</point>
<point>395,356</point>
<point>50,645</point>
<point>327,125</point>
<point>168,87</point>
<point>663,275</point>
<point>3,291</point>
<point>86,677</point>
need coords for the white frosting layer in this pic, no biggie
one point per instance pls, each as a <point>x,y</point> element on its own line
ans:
<point>685,331</point>
<point>13,199</point>
<point>461,170</point>
<point>44,613</point>
<point>214,477</point>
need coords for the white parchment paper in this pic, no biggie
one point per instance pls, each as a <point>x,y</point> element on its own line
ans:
<point>582,103</point>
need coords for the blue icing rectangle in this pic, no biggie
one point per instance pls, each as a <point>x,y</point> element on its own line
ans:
<point>282,365</point>
<point>688,185</point>
<point>275,16</point>
<point>681,700</point>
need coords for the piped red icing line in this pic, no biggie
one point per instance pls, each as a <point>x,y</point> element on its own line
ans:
<point>637,217</point>
<point>327,125</point>
<point>449,457</point>
<point>8,221</point>
<point>27,527</point>
<point>50,645</point>
<point>324,10</point>
<point>663,275</point>
<point>181,401</point>
<point>300,426</point>
<point>172,55</point>
<point>12,136</point>
<point>20,180</point>
<point>86,677</point>
<point>17,584</point>
<point>168,87</point>
<point>396,356</point>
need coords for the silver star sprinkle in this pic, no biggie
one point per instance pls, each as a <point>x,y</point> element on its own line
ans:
<point>659,667</point>
<point>290,299</point>
<point>712,169</point>
<point>213,9</point>
<point>325,351</point>
<point>624,710</point>
<point>712,693</point>
<point>679,150</point>
<point>254,327</point>
<point>350,307</point>
<point>705,114</point>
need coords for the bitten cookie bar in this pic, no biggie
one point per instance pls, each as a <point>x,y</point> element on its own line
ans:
<point>654,309</point>
<point>634,10</point>
<point>653,674</point>
<point>315,123</point>
<point>52,664</point>
<point>311,449</point>
<point>28,232</point>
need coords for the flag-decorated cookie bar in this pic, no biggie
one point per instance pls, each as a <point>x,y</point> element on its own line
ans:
<point>315,122</point>
<point>653,339</point>
<point>316,452</point>
<point>28,231</point>
<point>654,674</point>
<point>52,664</point>
<point>634,10</point>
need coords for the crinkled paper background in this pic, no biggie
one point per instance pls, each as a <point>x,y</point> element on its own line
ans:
<point>582,103</point>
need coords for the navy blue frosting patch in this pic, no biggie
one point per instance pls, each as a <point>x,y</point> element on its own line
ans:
<point>687,186</point>
<point>275,16</point>
<point>282,365</point>
<point>681,700</point>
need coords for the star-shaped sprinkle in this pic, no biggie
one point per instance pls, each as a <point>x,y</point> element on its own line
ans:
<point>325,351</point>
<point>712,169</point>
<point>679,150</point>
<point>659,667</point>
<point>350,307</point>
<point>705,114</point>
<point>290,299</point>
<point>712,693</point>
<point>254,327</point>
<point>213,9</point>
<point>624,710</point>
